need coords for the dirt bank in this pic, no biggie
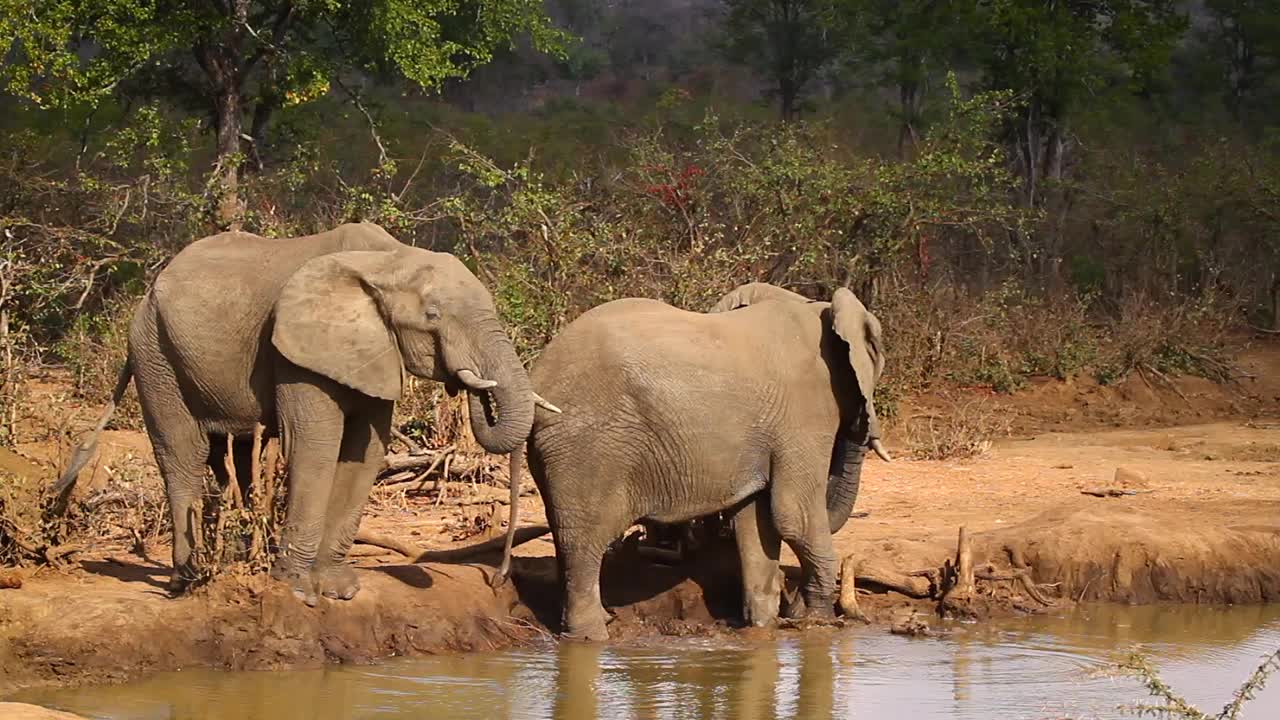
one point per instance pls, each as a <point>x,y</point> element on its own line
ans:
<point>1195,517</point>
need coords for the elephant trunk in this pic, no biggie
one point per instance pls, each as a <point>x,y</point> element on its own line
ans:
<point>501,416</point>
<point>845,475</point>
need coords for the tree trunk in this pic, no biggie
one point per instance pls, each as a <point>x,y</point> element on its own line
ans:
<point>787,94</point>
<point>908,97</point>
<point>229,112</point>
<point>1275,301</point>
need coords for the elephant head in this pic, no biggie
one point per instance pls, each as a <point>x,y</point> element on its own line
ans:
<point>363,318</point>
<point>857,365</point>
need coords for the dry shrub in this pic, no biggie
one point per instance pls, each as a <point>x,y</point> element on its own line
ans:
<point>965,432</point>
<point>241,520</point>
<point>1167,338</point>
<point>94,350</point>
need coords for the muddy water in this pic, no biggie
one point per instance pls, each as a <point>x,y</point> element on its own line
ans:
<point>1049,667</point>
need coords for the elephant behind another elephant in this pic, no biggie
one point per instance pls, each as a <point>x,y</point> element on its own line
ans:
<point>311,338</point>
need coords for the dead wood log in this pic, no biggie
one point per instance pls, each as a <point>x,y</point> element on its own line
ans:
<point>958,598</point>
<point>404,547</point>
<point>399,462</point>
<point>1113,492</point>
<point>848,600</point>
<point>420,554</point>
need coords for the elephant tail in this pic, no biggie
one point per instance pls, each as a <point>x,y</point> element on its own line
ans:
<point>88,446</point>
<point>513,516</point>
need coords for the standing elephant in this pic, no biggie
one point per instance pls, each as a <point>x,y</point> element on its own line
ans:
<point>763,407</point>
<point>310,337</point>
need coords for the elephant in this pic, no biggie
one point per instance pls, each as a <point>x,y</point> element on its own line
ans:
<point>763,408</point>
<point>310,337</point>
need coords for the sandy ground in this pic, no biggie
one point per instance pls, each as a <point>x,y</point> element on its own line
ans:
<point>1200,522</point>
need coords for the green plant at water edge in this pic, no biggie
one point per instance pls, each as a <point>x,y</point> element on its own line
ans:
<point>1172,705</point>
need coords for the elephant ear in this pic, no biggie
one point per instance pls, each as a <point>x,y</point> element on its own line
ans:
<point>756,292</point>
<point>858,327</point>
<point>328,320</point>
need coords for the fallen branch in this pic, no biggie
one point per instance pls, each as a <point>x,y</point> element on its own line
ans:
<point>1113,492</point>
<point>404,547</point>
<point>400,462</point>
<point>1170,383</point>
<point>420,555</point>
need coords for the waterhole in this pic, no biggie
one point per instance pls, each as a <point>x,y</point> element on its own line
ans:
<point>1036,667</point>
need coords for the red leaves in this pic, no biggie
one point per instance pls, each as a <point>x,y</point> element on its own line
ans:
<point>677,192</point>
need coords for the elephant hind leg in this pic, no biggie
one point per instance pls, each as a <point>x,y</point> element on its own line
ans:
<point>584,614</point>
<point>364,442</point>
<point>759,547</point>
<point>802,521</point>
<point>182,451</point>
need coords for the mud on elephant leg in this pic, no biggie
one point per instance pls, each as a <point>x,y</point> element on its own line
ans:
<point>759,546</point>
<point>364,443</point>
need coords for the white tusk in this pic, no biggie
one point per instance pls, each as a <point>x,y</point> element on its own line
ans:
<point>878,447</point>
<point>542,403</point>
<point>474,381</point>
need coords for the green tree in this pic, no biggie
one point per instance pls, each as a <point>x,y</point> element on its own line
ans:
<point>1058,54</point>
<point>248,58</point>
<point>786,41</point>
<point>909,44</point>
<point>1244,39</point>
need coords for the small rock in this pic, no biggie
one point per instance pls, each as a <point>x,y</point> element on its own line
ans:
<point>1128,477</point>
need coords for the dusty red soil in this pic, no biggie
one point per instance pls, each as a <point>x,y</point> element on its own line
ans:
<point>1202,525</point>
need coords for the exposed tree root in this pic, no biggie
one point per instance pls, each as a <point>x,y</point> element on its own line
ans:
<point>954,585</point>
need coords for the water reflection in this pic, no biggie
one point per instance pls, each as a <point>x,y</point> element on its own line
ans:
<point>1029,668</point>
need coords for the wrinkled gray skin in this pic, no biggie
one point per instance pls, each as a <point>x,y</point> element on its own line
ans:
<point>761,408</point>
<point>310,336</point>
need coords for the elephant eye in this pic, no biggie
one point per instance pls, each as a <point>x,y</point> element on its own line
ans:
<point>433,312</point>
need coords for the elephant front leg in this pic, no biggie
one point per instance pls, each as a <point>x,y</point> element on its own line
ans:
<point>759,547</point>
<point>314,425</point>
<point>364,444</point>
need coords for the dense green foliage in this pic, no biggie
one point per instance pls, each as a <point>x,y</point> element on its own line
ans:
<point>1018,188</point>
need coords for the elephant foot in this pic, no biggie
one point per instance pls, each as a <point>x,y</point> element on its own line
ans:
<point>337,582</point>
<point>300,582</point>
<point>760,610</point>
<point>181,581</point>
<point>593,630</point>
<point>810,622</point>
<point>819,609</point>
<point>591,634</point>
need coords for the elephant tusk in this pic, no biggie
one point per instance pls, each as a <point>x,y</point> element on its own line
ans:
<point>878,447</point>
<point>542,403</point>
<point>474,381</point>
